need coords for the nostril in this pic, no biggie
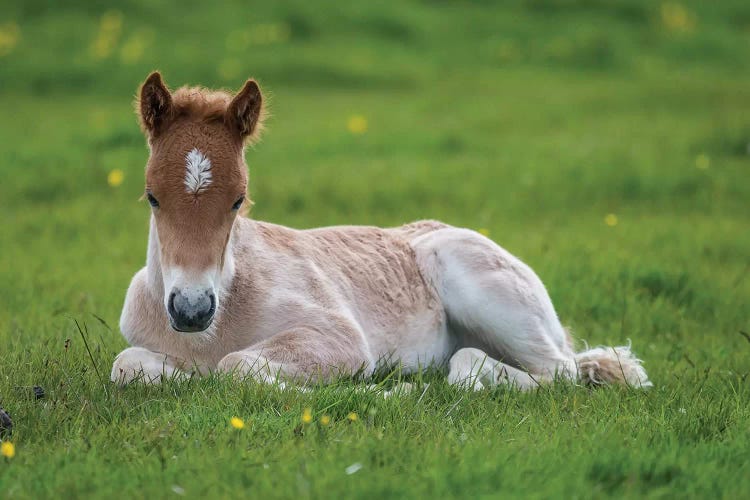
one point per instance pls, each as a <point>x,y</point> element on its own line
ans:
<point>170,304</point>
<point>212,310</point>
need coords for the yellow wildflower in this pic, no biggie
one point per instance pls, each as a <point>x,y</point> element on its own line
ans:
<point>677,18</point>
<point>111,21</point>
<point>115,177</point>
<point>307,416</point>
<point>325,420</point>
<point>10,33</point>
<point>702,161</point>
<point>357,124</point>
<point>352,417</point>
<point>237,423</point>
<point>8,449</point>
<point>610,220</point>
<point>133,49</point>
<point>110,28</point>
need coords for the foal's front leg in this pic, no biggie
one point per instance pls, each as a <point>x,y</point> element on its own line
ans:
<point>301,354</point>
<point>137,363</point>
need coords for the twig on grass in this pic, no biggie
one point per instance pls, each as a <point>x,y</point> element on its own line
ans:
<point>101,320</point>
<point>91,356</point>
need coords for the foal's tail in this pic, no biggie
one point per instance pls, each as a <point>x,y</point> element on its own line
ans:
<point>611,365</point>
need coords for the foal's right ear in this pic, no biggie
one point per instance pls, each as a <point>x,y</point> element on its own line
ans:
<point>245,113</point>
<point>154,104</point>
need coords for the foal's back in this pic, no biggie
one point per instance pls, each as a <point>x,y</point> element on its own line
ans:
<point>368,273</point>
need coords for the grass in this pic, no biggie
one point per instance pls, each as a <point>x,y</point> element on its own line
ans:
<point>531,119</point>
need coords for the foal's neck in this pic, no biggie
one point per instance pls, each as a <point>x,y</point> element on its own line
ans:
<point>153,261</point>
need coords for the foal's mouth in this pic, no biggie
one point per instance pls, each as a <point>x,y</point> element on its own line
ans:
<point>190,329</point>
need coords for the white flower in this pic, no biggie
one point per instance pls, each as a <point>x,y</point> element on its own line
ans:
<point>353,468</point>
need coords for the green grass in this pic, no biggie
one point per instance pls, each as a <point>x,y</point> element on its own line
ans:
<point>532,119</point>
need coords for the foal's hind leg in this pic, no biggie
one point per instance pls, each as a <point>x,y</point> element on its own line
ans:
<point>496,303</point>
<point>473,368</point>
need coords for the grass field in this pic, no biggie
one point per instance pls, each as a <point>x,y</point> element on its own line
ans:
<point>606,143</point>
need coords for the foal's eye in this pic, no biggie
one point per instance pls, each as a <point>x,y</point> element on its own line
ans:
<point>238,203</point>
<point>152,201</point>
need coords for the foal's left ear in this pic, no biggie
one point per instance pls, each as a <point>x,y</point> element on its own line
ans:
<point>245,113</point>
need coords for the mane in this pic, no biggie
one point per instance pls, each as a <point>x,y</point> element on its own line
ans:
<point>200,103</point>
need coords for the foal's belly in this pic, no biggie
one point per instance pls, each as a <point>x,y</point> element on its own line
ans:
<point>428,350</point>
<point>420,341</point>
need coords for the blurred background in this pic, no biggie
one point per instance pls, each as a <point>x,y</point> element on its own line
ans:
<point>604,142</point>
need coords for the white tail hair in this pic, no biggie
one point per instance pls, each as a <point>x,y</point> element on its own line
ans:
<point>611,365</point>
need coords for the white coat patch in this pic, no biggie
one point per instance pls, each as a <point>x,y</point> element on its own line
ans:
<point>198,174</point>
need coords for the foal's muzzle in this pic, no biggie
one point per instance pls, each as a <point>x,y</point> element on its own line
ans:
<point>191,311</point>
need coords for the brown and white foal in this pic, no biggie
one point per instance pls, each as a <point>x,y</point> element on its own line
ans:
<point>221,292</point>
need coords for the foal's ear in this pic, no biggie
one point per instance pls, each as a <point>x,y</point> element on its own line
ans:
<point>154,104</point>
<point>245,113</point>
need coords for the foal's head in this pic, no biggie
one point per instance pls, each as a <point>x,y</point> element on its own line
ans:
<point>196,181</point>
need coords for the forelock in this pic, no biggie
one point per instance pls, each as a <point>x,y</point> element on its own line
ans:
<point>200,103</point>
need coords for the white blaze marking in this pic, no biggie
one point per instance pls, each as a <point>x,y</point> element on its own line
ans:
<point>198,174</point>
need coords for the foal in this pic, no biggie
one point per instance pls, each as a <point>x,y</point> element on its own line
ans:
<point>221,292</point>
